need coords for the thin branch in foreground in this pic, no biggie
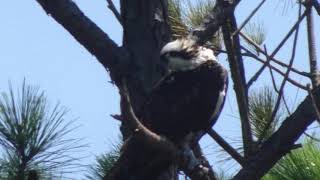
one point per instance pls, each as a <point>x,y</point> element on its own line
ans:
<point>281,90</point>
<point>294,28</point>
<point>233,47</point>
<point>280,94</point>
<point>229,149</point>
<point>293,82</point>
<point>258,73</point>
<point>275,85</point>
<point>247,38</point>
<point>114,10</point>
<point>296,25</point>
<point>311,137</point>
<point>249,17</point>
<point>277,91</point>
<point>316,5</point>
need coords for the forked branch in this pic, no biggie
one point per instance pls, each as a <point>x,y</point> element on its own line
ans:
<point>293,82</point>
<point>114,10</point>
<point>281,90</point>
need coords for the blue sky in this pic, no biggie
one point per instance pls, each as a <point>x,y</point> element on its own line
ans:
<point>35,47</point>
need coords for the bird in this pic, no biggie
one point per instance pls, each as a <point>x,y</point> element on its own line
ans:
<point>189,99</point>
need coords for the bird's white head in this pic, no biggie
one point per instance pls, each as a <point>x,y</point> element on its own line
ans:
<point>185,54</point>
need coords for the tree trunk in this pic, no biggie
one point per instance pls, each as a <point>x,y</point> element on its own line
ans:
<point>145,32</point>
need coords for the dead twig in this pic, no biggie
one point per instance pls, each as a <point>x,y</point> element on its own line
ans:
<point>316,6</point>
<point>229,149</point>
<point>252,55</point>
<point>114,10</point>
<point>311,137</point>
<point>275,85</point>
<point>249,17</point>
<point>281,90</point>
<point>296,25</point>
<point>247,38</point>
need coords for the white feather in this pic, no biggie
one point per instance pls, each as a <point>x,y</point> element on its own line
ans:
<point>177,45</point>
<point>222,94</point>
<point>179,64</point>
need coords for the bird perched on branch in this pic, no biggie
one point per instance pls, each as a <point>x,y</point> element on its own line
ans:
<point>190,98</point>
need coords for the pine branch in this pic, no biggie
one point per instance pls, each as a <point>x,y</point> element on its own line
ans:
<point>282,141</point>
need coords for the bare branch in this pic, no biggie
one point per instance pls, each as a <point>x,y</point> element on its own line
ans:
<point>275,85</point>
<point>316,5</point>
<point>86,32</point>
<point>311,137</point>
<point>258,73</point>
<point>252,55</point>
<point>238,75</point>
<point>114,10</point>
<point>273,80</point>
<point>249,17</point>
<point>296,25</point>
<point>281,90</point>
<point>273,59</point>
<point>229,149</point>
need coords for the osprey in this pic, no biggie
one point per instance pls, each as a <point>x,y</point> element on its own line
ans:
<point>190,98</point>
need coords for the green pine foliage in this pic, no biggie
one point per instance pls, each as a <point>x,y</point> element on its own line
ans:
<point>300,164</point>
<point>104,163</point>
<point>261,105</point>
<point>185,15</point>
<point>32,136</point>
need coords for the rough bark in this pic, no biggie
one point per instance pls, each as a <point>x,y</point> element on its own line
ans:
<point>315,77</point>
<point>145,32</point>
<point>232,44</point>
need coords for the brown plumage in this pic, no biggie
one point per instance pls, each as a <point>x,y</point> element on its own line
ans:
<point>184,101</point>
